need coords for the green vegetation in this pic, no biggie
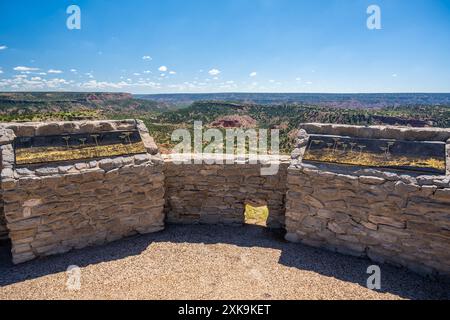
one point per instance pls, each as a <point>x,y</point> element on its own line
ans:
<point>288,117</point>
<point>51,116</point>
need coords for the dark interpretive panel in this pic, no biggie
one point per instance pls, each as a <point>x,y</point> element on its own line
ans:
<point>44,149</point>
<point>422,156</point>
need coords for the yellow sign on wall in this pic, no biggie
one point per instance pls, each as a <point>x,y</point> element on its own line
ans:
<point>256,215</point>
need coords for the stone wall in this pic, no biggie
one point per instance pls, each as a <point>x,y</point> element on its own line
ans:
<point>3,229</point>
<point>6,136</point>
<point>217,193</point>
<point>54,208</point>
<point>403,219</point>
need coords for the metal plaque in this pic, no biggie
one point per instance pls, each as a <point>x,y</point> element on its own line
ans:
<point>402,155</point>
<point>44,149</point>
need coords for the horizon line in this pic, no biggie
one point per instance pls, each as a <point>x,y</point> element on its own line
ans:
<point>223,92</point>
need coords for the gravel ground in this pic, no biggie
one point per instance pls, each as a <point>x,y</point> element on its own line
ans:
<point>209,262</point>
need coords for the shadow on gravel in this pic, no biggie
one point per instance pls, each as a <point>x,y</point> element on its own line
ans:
<point>396,281</point>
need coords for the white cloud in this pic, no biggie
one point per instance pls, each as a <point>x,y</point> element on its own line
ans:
<point>163,69</point>
<point>147,58</point>
<point>56,82</point>
<point>309,82</point>
<point>172,72</point>
<point>214,72</point>
<point>394,75</point>
<point>54,71</point>
<point>94,84</point>
<point>136,74</point>
<point>21,82</point>
<point>147,71</point>
<point>104,85</point>
<point>73,70</point>
<point>298,79</point>
<point>1,71</point>
<point>3,47</point>
<point>272,81</point>
<point>253,74</point>
<point>25,69</point>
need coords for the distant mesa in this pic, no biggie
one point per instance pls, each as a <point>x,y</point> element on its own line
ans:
<point>234,121</point>
<point>108,96</point>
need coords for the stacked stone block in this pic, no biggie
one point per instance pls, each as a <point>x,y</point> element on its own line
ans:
<point>218,193</point>
<point>6,136</point>
<point>390,217</point>
<point>400,218</point>
<point>54,208</point>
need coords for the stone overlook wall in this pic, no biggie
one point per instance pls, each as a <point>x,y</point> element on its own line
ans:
<point>389,217</point>
<point>217,193</point>
<point>6,136</point>
<point>403,219</point>
<point>54,208</point>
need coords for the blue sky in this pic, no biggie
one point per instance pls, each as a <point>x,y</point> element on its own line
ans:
<point>162,46</point>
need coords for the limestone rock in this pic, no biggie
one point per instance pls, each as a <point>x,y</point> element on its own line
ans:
<point>6,136</point>
<point>387,221</point>
<point>371,180</point>
<point>292,237</point>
